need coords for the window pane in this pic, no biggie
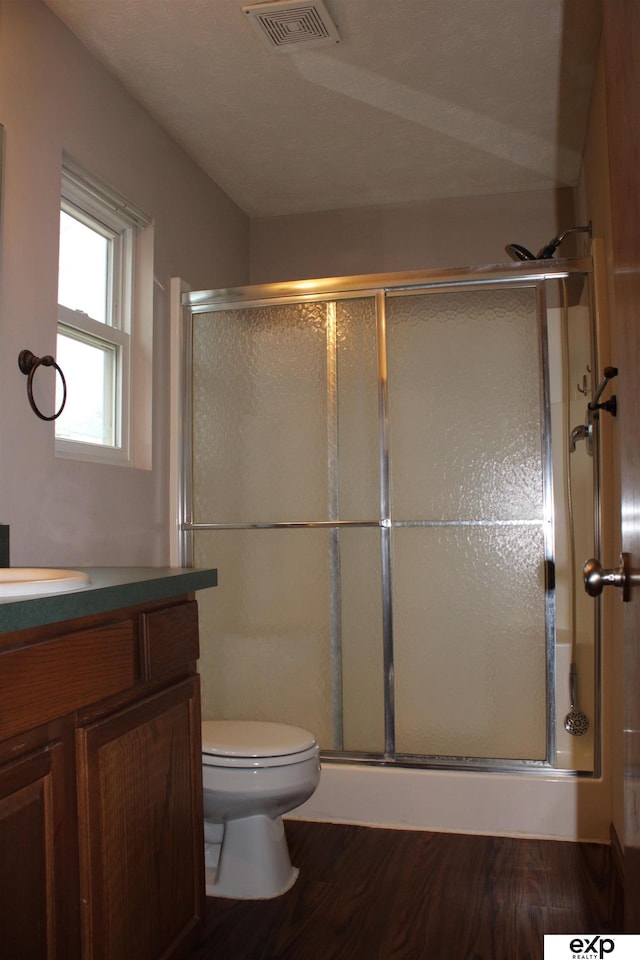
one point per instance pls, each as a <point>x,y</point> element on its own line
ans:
<point>84,268</point>
<point>90,371</point>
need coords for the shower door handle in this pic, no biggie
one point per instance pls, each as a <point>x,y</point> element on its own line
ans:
<point>596,578</point>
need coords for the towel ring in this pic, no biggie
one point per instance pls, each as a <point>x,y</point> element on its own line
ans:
<point>28,364</point>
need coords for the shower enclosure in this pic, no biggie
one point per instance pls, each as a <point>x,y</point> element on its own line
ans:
<point>379,468</point>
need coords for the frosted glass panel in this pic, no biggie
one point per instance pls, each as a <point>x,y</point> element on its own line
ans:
<point>361,639</point>
<point>265,629</point>
<point>260,414</point>
<point>285,423</point>
<point>469,638</point>
<point>464,405</point>
<point>357,393</point>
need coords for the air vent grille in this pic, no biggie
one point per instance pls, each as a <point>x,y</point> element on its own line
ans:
<point>289,26</point>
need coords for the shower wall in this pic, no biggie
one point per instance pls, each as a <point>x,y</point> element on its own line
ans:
<point>371,477</point>
<point>572,382</point>
<point>446,232</point>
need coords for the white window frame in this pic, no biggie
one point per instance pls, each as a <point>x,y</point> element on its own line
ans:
<point>79,326</point>
<point>129,315</point>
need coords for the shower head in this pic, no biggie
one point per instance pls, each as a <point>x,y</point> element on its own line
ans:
<point>517,252</point>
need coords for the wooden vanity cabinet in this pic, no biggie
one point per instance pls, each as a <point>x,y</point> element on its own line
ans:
<point>38,882</point>
<point>101,846</point>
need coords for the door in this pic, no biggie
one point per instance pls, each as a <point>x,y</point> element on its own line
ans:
<point>139,817</point>
<point>373,472</point>
<point>470,522</point>
<point>36,863</point>
<point>622,42</point>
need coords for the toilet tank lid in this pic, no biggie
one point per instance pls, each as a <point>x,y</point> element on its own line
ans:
<point>253,738</point>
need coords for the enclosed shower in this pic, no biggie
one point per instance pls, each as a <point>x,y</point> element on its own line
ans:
<point>381,468</point>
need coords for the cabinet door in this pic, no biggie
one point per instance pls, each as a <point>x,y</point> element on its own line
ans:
<point>37,868</point>
<point>140,828</point>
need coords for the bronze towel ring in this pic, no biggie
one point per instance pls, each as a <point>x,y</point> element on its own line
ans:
<point>28,364</point>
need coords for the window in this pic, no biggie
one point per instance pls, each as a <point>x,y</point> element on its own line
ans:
<point>104,322</point>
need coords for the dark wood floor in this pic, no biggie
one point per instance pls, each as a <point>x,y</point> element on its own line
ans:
<point>369,894</point>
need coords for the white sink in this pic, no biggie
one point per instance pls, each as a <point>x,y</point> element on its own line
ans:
<point>34,581</point>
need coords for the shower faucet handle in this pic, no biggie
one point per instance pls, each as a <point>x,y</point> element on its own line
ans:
<point>596,578</point>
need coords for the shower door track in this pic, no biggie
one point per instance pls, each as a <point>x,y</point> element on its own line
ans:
<point>304,291</point>
<point>379,286</point>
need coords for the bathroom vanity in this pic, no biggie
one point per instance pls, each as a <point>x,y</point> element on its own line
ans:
<point>101,846</point>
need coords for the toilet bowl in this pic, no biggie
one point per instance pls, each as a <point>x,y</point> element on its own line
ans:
<point>253,772</point>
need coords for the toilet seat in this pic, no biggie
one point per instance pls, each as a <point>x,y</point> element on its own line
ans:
<point>250,743</point>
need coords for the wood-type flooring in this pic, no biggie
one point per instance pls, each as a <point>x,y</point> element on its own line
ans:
<point>371,894</point>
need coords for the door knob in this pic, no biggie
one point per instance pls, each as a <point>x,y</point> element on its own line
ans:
<point>596,578</point>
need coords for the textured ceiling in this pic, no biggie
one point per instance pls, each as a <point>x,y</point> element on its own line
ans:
<point>422,98</point>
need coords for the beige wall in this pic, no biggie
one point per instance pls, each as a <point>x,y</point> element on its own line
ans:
<point>452,232</point>
<point>54,95</point>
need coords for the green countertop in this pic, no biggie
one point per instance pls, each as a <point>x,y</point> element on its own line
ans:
<point>111,588</point>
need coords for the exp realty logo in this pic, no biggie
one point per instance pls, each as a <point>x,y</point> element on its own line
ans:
<point>591,946</point>
<point>584,948</point>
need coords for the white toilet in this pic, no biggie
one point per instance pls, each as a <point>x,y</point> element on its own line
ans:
<point>253,772</point>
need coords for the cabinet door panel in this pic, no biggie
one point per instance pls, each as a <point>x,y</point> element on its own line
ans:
<point>33,881</point>
<point>140,822</point>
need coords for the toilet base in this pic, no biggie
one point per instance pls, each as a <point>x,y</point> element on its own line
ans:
<point>254,861</point>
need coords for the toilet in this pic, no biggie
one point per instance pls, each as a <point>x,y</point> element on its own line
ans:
<point>253,772</point>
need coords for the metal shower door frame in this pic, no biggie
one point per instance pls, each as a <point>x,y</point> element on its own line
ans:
<point>379,287</point>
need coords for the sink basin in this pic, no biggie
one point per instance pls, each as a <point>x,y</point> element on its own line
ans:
<point>35,581</point>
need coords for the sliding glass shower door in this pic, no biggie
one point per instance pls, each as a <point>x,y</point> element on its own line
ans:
<point>469,524</point>
<point>371,477</point>
<point>283,457</point>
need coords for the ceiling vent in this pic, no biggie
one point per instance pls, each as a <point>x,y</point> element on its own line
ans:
<point>288,26</point>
